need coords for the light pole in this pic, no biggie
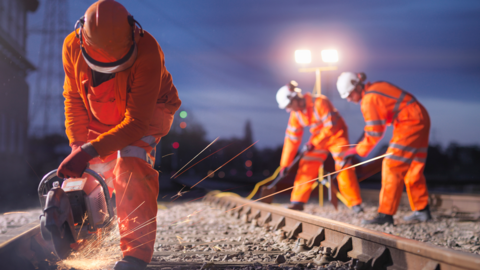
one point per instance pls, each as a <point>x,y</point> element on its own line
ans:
<point>328,56</point>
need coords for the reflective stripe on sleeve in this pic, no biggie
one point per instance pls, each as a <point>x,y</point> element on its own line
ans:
<point>318,151</point>
<point>293,129</point>
<point>291,137</point>
<point>299,117</point>
<point>404,148</point>
<point>396,108</point>
<point>419,159</point>
<point>374,133</point>
<point>375,123</point>
<point>310,158</point>
<point>399,158</point>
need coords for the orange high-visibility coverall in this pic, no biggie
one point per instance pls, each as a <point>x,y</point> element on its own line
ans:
<point>383,104</point>
<point>123,118</point>
<point>329,133</point>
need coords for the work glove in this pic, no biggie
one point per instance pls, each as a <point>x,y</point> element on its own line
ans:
<point>350,152</point>
<point>308,147</point>
<point>283,171</point>
<point>75,164</point>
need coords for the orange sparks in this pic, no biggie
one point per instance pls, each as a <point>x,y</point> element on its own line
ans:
<point>194,157</point>
<point>132,212</point>
<point>125,189</point>
<point>224,164</point>
<point>202,160</point>
<point>10,213</point>
<point>167,155</point>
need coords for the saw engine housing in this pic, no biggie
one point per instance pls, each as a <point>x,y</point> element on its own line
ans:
<point>73,210</point>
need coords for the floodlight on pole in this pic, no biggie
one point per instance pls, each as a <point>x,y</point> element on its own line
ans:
<point>329,56</point>
<point>303,56</point>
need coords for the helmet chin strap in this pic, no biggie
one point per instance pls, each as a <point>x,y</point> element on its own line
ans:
<point>111,67</point>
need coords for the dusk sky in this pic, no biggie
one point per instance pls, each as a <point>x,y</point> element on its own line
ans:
<point>228,58</point>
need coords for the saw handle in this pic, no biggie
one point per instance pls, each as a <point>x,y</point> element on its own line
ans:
<point>52,174</point>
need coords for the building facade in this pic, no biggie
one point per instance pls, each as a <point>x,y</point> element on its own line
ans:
<point>14,96</point>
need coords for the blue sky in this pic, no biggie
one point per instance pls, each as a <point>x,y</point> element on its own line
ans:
<point>228,58</point>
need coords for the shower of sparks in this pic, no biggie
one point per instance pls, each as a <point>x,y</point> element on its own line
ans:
<point>202,160</point>
<point>167,155</point>
<point>315,179</point>
<point>195,157</point>
<point>83,222</point>
<point>131,212</point>
<point>180,193</point>
<point>98,251</point>
<point>10,213</point>
<point>224,164</point>
<point>216,247</point>
<point>188,218</point>
<point>123,196</point>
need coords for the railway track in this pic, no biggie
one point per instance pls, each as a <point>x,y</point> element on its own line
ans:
<point>233,233</point>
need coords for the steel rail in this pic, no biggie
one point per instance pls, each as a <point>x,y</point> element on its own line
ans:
<point>377,250</point>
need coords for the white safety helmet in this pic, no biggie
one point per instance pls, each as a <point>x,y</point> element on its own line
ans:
<point>286,93</point>
<point>346,83</point>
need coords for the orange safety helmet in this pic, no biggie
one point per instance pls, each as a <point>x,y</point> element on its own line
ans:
<point>107,37</point>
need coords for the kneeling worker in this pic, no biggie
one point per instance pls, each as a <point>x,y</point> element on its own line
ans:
<point>119,103</point>
<point>329,133</point>
<point>384,104</point>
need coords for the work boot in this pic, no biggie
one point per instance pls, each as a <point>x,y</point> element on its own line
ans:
<point>357,208</point>
<point>296,206</point>
<point>130,263</point>
<point>380,219</point>
<point>422,215</point>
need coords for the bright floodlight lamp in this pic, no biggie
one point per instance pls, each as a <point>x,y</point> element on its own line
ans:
<point>330,56</point>
<point>303,56</point>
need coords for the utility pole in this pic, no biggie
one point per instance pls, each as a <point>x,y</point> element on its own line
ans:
<point>46,115</point>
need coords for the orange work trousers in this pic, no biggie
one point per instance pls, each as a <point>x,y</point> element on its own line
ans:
<point>408,148</point>
<point>131,174</point>
<point>311,162</point>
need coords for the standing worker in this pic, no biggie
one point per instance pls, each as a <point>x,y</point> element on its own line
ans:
<point>329,133</point>
<point>119,103</point>
<point>384,104</point>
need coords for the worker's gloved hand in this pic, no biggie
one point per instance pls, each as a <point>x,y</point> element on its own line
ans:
<point>76,145</point>
<point>308,147</point>
<point>75,164</point>
<point>283,171</point>
<point>350,152</point>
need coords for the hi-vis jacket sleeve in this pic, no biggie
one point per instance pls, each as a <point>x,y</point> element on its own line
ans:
<point>293,138</point>
<point>326,118</point>
<point>76,115</point>
<point>375,116</point>
<point>147,73</point>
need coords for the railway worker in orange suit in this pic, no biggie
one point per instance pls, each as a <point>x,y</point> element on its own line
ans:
<point>119,103</point>
<point>329,134</point>
<point>385,104</point>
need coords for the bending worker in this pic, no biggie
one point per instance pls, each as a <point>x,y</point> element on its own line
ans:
<point>329,133</point>
<point>384,104</point>
<point>119,102</point>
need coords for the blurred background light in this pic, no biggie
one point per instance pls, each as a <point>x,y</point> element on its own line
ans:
<point>183,125</point>
<point>175,145</point>
<point>329,56</point>
<point>183,114</point>
<point>248,163</point>
<point>303,56</point>
<point>249,173</point>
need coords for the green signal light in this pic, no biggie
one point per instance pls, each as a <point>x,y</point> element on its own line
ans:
<point>183,114</point>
